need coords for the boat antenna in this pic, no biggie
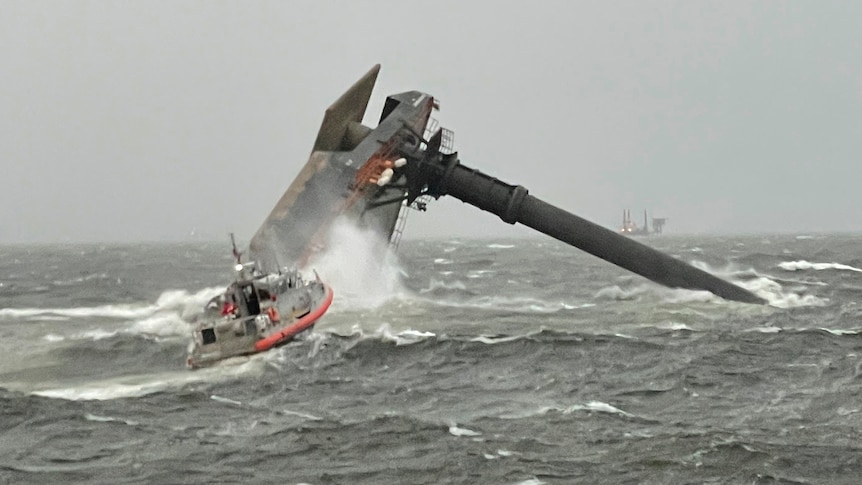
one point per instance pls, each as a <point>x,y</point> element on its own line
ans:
<point>236,253</point>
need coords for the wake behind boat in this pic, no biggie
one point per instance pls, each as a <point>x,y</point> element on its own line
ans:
<point>257,312</point>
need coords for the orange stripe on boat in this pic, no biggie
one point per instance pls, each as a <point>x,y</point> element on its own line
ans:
<point>300,325</point>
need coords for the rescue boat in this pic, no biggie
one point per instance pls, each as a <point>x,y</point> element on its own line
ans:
<point>255,313</point>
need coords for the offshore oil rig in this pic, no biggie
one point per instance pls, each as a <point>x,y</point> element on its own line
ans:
<point>629,228</point>
<point>373,175</point>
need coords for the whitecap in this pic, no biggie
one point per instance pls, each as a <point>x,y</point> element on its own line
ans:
<point>50,318</point>
<point>142,385</point>
<point>435,284</point>
<point>171,305</point>
<point>617,293</point>
<point>778,297</point>
<point>677,295</point>
<point>97,334</point>
<point>100,393</point>
<point>598,406</point>
<point>108,419</point>
<point>804,265</point>
<point>510,304</point>
<point>531,481</point>
<point>765,329</point>
<point>161,325</point>
<point>225,400</point>
<point>454,430</point>
<point>492,340</point>
<point>405,337</point>
<point>675,326</point>
<point>110,311</point>
<point>793,300</point>
<point>840,331</point>
<point>309,417</point>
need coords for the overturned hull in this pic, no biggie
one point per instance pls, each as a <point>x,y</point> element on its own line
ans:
<point>342,176</point>
<point>370,174</point>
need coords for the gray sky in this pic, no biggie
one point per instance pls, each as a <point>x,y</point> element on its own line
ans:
<point>128,121</point>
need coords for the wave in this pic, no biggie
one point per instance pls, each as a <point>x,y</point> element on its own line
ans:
<point>840,331</point>
<point>100,334</point>
<point>777,296</point>
<point>667,295</point>
<point>767,287</point>
<point>82,279</point>
<point>805,265</point>
<point>161,325</point>
<point>180,301</point>
<point>498,339</point>
<point>436,284</point>
<point>329,347</point>
<point>765,329</point>
<point>591,406</point>
<point>384,333</point>
<point>124,311</point>
<point>523,304</point>
<point>454,430</point>
<point>530,481</point>
<point>674,326</point>
<point>143,385</point>
<point>404,337</point>
<point>455,294</point>
<point>837,332</point>
<point>109,419</point>
<point>480,273</point>
<point>615,292</point>
<point>168,316</point>
<point>225,400</point>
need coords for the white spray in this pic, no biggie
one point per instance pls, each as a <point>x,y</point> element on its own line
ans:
<point>359,266</point>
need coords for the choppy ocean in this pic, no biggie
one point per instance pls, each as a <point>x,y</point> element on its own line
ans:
<point>461,361</point>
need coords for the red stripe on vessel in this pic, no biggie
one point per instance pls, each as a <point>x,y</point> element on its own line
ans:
<point>300,325</point>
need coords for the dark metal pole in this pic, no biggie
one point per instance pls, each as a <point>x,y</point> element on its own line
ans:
<point>513,204</point>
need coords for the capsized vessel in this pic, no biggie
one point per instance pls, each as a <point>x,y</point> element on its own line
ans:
<point>257,312</point>
<point>373,175</point>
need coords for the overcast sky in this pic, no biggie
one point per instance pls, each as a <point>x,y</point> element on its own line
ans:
<point>128,121</point>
